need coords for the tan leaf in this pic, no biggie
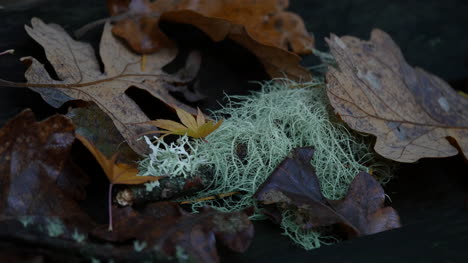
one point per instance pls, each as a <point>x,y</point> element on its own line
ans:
<point>81,77</point>
<point>117,173</point>
<point>413,113</point>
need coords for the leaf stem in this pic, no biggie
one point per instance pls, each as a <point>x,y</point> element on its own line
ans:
<point>110,206</point>
<point>9,51</point>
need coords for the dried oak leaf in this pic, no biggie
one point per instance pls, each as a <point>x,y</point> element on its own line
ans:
<point>263,27</point>
<point>165,226</point>
<point>81,77</point>
<point>294,185</point>
<point>35,174</point>
<point>412,113</point>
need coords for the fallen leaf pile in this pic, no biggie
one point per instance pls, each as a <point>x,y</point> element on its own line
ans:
<point>294,185</point>
<point>263,27</point>
<point>413,113</point>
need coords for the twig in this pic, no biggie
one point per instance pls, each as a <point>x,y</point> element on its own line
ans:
<point>169,187</point>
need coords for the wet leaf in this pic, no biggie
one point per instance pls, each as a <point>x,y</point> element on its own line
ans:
<point>81,79</point>
<point>195,128</point>
<point>263,27</point>
<point>35,176</point>
<point>166,226</point>
<point>364,206</point>
<point>413,113</point>
<point>294,185</point>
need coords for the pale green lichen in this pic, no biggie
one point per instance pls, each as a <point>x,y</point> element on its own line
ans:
<point>181,255</point>
<point>179,158</point>
<point>261,129</point>
<point>78,237</point>
<point>55,227</point>
<point>269,124</point>
<point>26,220</point>
<point>139,246</point>
<point>307,239</point>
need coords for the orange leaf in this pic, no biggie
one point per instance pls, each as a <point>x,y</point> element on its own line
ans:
<point>117,173</point>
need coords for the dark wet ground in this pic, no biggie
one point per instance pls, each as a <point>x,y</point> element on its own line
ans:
<point>430,195</point>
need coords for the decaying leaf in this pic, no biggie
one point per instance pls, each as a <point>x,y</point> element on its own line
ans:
<point>35,175</point>
<point>195,128</point>
<point>96,126</point>
<point>165,226</point>
<point>263,27</point>
<point>81,78</point>
<point>412,113</point>
<point>294,185</point>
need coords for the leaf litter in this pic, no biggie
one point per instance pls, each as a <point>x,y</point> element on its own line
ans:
<point>412,113</point>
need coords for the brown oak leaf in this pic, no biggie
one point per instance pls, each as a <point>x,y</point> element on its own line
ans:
<point>81,78</point>
<point>413,113</point>
<point>294,185</point>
